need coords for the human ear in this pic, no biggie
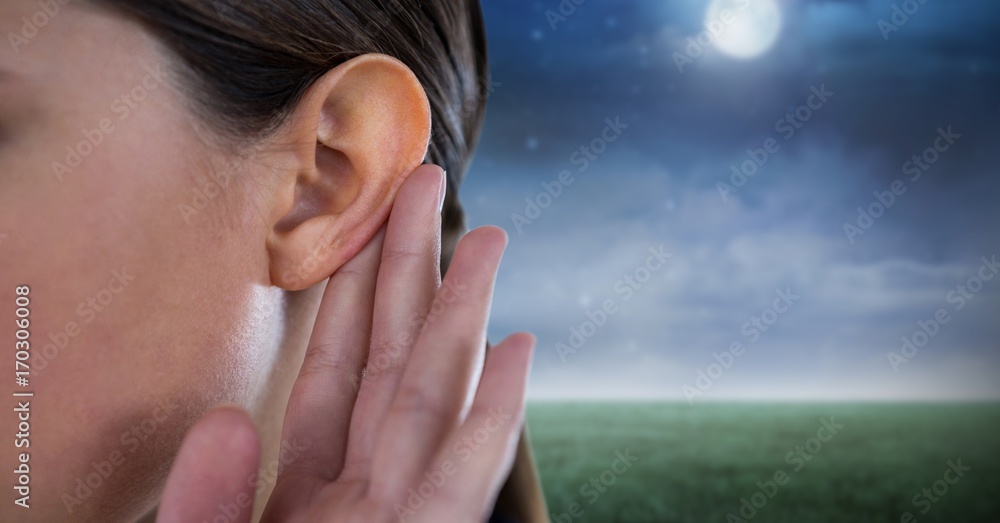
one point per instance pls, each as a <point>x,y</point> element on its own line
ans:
<point>359,131</point>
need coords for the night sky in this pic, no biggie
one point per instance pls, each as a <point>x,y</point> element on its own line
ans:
<point>780,232</point>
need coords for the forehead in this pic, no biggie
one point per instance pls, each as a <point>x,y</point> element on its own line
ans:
<point>78,65</point>
<point>63,43</point>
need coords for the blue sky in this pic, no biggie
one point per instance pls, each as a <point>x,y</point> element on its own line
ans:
<point>657,184</point>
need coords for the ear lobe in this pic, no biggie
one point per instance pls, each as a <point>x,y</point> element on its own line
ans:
<point>358,133</point>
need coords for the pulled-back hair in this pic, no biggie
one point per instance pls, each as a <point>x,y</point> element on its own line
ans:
<point>247,63</point>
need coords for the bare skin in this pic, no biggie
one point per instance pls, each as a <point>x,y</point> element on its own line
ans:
<point>146,317</point>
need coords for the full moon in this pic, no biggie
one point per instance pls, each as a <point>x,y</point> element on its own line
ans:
<point>749,28</point>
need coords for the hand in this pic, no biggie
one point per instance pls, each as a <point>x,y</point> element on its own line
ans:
<point>428,433</point>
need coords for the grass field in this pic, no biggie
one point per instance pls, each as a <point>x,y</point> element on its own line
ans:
<point>697,463</point>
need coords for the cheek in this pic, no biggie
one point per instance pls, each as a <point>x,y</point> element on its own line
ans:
<point>143,314</point>
<point>138,265</point>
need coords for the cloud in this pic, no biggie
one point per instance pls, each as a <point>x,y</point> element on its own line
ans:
<point>782,230</point>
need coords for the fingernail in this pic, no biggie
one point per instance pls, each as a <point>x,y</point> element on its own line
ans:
<point>444,190</point>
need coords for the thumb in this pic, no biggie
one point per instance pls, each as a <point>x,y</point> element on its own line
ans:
<point>213,470</point>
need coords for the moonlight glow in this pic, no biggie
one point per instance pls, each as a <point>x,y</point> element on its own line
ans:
<point>750,28</point>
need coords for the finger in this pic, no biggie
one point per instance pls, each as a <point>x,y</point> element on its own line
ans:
<point>322,399</point>
<point>477,457</point>
<point>444,368</point>
<point>217,460</point>
<point>408,277</point>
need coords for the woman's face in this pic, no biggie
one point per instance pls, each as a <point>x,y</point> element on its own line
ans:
<point>144,251</point>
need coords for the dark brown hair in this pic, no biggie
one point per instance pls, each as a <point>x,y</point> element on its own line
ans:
<point>245,65</point>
